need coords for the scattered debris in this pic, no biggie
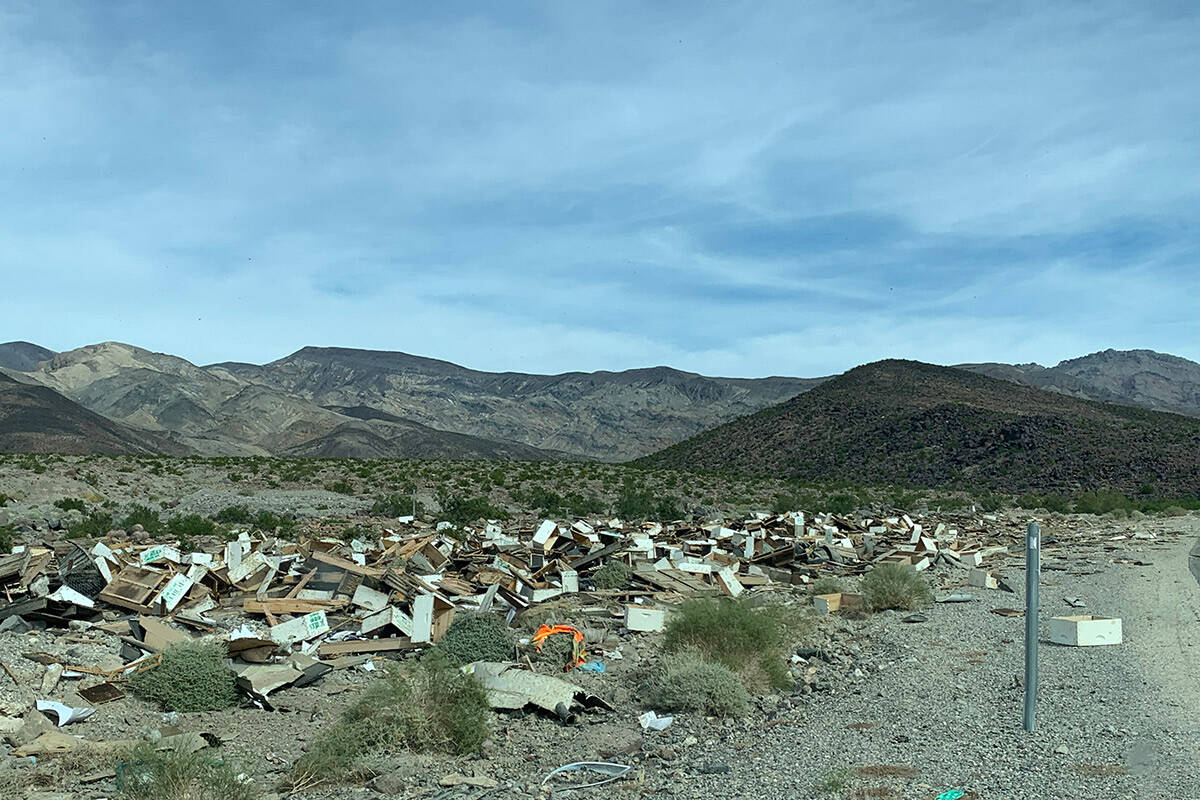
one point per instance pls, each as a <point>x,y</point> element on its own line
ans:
<point>653,722</point>
<point>613,771</point>
<point>63,714</point>
<point>1084,631</point>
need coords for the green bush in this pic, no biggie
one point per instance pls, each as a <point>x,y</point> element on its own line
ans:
<point>896,586</point>
<point>1050,502</point>
<point>68,503</point>
<point>476,637</point>
<point>151,774</point>
<point>94,526</point>
<point>234,515</point>
<point>340,486</point>
<point>613,575</point>
<point>393,505</point>
<point>841,503</point>
<point>827,585</point>
<point>1174,511</point>
<point>146,517</point>
<point>436,707</point>
<point>639,502</point>
<point>191,677</point>
<point>686,682</point>
<point>747,639</point>
<point>189,526</point>
<point>462,510</point>
<point>8,535</point>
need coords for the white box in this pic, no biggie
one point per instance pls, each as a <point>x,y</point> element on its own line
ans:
<point>638,618</point>
<point>1084,631</point>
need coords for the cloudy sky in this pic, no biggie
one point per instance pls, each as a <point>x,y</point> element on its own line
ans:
<point>753,189</point>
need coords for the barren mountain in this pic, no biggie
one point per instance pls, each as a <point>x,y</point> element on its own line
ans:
<point>904,422</point>
<point>214,413</point>
<point>605,415</point>
<point>36,419</point>
<point>1141,378</point>
<point>23,356</point>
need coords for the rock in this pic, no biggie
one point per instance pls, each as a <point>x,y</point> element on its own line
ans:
<point>392,784</point>
<point>691,741</point>
<point>1062,750</point>
<point>714,768</point>
<point>618,742</point>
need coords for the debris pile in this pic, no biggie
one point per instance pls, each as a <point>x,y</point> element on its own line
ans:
<point>289,611</point>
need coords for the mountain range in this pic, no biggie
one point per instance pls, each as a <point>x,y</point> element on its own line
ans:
<point>324,401</point>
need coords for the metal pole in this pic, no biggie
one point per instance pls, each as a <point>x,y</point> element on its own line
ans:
<point>1033,568</point>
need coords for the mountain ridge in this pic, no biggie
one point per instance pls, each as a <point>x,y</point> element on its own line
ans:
<point>915,424</point>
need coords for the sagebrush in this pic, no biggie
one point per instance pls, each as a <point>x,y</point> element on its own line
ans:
<point>476,637</point>
<point>613,575</point>
<point>151,774</point>
<point>686,682</point>
<point>192,677</point>
<point>433,707</point>
<point>747,638</point>
<point>897,586</point>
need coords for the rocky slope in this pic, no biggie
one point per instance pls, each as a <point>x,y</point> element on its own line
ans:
<point>605,415</point>
<point>1141,378</point>
<point>37,419</point>
<point>904,422</point>
<point>215,413</point>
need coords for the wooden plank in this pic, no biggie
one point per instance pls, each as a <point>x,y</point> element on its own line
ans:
<point>288,605</point>
<point>390,645</point>
<point>301,583</point>
<point>346,565</point>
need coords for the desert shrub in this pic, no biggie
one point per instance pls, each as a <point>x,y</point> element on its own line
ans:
<point>340,486</point>
<point>151,774</point>
<point>191,677</point>
<point>476,637</point>
<point>827,585</point>
<point>393,505</point>
<point>1174,511</point>
<point>1101,502</point>
<point>68,503</point>
<point>1050,502</point>
<point>436,707</point>
<point>990,501</point>
<point>234,515</point>
<point>582,505</point>
<point>188,526</point>
<point>733,632</point>
<point>613,575</point>
<point>93,526</point>
<point>640,502</point>
<point>462,510</point>
<point>686,682</point>
<point>269,521</point>
<point>896,586</point>
<point>8,535</point>
<point>841,503</point>
<point>146,517</point>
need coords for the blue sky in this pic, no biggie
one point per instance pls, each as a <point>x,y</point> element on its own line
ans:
<point>747,189</point>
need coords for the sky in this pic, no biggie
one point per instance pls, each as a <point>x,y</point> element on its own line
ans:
<point>734,188</point>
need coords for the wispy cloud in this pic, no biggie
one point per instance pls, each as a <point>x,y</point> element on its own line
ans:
<point>749,189</point>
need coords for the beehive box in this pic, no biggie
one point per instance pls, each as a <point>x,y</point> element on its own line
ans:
<point>838,601</point>
<point>1084,630</point>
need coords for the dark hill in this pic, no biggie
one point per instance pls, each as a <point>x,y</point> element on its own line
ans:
<point>909,423</point>
<point>37,419</point>
<point>23,356</point>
